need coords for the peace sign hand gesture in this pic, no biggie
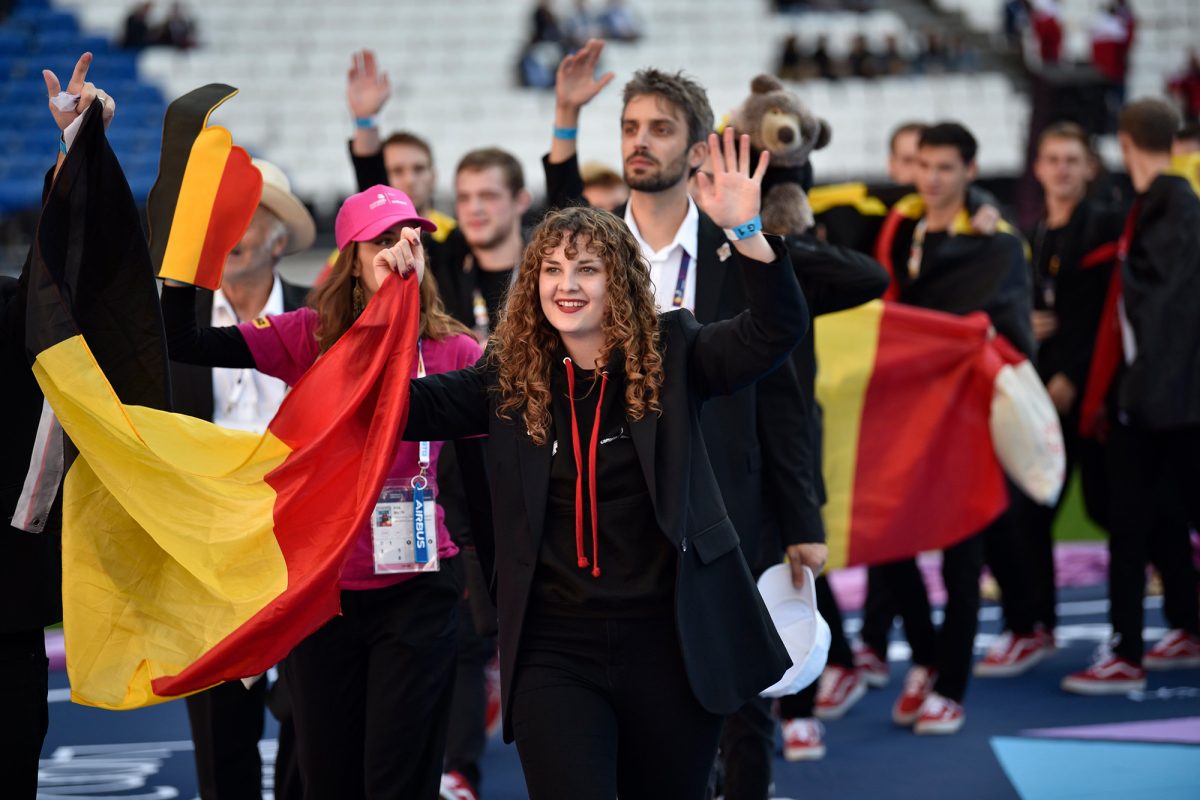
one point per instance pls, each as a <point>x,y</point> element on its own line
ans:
<point>80,87</point>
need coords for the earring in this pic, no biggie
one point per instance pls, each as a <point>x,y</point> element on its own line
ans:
<point>358,299</point>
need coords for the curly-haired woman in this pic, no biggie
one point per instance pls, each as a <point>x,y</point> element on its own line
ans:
<point>629,622</point>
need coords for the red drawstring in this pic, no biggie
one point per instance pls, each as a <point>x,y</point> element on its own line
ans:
<point>577,451</point>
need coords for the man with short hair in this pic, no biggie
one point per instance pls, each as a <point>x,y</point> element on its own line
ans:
<point>1144,387</point>
<point>227,720</point>
<point>939,261</point>
<point>902,153</point>
<point>1074,246</point>
<point>756,436</point>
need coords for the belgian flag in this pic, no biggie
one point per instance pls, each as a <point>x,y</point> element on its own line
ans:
<point>909,462</point>
<point>205,194</point>
<point>193,554</point>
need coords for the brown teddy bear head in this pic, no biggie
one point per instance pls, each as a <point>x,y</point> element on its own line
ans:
<point>779,123</point>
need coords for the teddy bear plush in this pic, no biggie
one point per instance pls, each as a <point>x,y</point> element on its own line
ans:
<point>783,126</point>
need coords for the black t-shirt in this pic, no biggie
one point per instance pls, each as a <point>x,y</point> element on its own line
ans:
<point>1047,259</point>
<point>494,288</point>
<point>637,562</point>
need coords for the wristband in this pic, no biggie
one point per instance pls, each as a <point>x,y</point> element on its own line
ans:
<point>745,230</point>
<point>566,133</point>
<point>363,123</point>
<point>62,146</point>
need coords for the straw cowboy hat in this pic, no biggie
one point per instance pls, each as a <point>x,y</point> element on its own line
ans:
<point>277,198</point>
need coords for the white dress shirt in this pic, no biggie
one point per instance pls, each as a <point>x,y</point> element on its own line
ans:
<point>245,399</point>
<point>665,263</point>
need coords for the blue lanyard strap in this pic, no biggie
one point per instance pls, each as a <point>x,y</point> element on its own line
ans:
<point>681,283</point>
<point>420,482</point>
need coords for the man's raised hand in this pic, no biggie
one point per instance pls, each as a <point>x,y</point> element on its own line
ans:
<point>81,88</point>
<point>575,83</point>
<point>367,89</point>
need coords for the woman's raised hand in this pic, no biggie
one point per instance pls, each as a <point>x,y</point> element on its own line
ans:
<point>405,256</point>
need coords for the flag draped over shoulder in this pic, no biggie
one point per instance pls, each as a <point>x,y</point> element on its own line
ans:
<point>193,554</point>
<point>205,194</point>
<point>908,458</point>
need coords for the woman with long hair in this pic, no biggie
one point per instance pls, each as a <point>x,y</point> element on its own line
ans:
<point>371,689</point>
<point>629,622</point>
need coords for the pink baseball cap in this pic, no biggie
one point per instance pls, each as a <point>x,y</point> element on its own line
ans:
<point>367,214</point>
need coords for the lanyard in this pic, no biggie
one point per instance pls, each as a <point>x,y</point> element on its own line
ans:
<point>420,482</point>
<point>681,283</point>
<point>917,251</point>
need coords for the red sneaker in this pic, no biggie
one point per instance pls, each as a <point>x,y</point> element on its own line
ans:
<point>872,667</point>
<point>803,739</point>
<point>1177,650</point>
<point>455,787</point>
<point>1108,675</point>
<point>918,683</point>
<point>491,719</point>
<point>1049,643</point>
<point>940,716</point>
<point>1011,655</point>
<point>838,689</point>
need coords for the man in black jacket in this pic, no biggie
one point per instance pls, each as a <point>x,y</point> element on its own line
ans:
<point>758,438</point>
<point>227,720</point>
<point>1149,341</point>
<point>1074,246</point>
<point>938,261</point>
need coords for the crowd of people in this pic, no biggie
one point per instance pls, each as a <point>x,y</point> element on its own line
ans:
<point>616,414</point>
<point>176,29</point>
<point>933,54</point>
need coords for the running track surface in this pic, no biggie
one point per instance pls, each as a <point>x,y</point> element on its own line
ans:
<point>1013,744</point>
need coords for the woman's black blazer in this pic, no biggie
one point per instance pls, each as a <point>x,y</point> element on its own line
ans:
<point>730,648</point>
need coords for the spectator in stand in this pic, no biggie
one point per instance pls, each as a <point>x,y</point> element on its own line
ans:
<point>545,24</point>
<point>791,60</point>
<point>1185,87</point>
<point>137,32</point>
<point>618,23</point>
<point>891,61</point>
<point>934,58</point>
<point>1047,29</point>
<point>860,63</point>
<point>602,187</point>
<point>178,29</point>
<point>1143,389</point>
<point>1112,37</point>
<point>1016,17</point>
<point>581,26</point>
<point>822,61</point>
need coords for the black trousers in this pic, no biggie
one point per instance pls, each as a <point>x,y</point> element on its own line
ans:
<point>879,613</point>
<point>226,723</point>
<point>467,735</point>
<point>800,705</point>
<point>950,649</point>
<point>601,708</point>
<point>25,719</point>
<point>371,692</point>
<point>1023,565</point>
<point>1155,496</point>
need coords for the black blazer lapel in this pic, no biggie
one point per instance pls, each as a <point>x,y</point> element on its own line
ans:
<point>710,271</point>
<point>534,464</point>
<point>644,432</point>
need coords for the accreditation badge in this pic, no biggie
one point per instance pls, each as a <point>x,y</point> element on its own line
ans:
<point>404,527</point>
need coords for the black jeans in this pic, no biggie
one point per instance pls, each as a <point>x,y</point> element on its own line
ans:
<point>601,708</point>
<point>1024,565</point>
<point>371,692</point>
<point>23,667</point>
<point>950,649</point>
<point>1155,480</point>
